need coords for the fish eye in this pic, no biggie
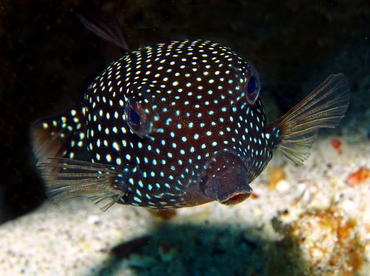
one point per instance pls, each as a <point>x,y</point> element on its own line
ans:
<point>134,117</point>
<point>253,85</point>
<point>137,118</point>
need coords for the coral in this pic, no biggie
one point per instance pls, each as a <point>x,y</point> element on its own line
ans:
<point>328,242</point>
<point>358,177</point>
<point>275,174</point>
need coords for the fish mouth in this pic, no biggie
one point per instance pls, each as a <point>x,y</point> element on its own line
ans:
<point>226,179</point>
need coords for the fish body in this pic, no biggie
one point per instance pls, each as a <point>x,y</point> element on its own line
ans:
<point>175,125</point>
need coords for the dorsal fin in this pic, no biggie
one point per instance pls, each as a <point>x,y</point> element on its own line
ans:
<point>106,28</point>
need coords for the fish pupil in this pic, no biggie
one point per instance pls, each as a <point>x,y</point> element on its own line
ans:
<point>134,117</point>
<point>252,85</point>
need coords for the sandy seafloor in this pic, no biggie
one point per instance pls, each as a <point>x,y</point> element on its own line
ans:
<point>312,223</point>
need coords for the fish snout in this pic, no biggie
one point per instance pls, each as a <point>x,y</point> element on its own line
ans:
<point>226,179</point>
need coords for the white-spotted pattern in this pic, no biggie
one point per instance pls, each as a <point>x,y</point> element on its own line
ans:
<point>177,124</point>
<point>189,93</point>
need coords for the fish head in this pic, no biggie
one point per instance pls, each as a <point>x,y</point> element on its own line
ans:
<point>192,130</point>
<point>188,116</point>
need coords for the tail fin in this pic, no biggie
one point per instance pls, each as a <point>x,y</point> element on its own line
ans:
<point>322,108</point>
<point>59,136</point>
<point>56,142</point>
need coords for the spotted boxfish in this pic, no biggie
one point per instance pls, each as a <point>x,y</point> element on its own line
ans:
<point>174,125</point>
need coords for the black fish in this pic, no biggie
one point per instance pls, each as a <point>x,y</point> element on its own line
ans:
<point>176,124</point>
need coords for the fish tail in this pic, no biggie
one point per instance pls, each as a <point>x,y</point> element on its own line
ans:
<point>66,178</point>
<point>56,142</point>
<point>59,136</point>
<point>324,107</point>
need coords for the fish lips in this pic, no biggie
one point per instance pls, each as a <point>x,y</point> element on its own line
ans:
<point>226,179</point>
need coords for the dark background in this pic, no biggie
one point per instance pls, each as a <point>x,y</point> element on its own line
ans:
<point>48,58</point>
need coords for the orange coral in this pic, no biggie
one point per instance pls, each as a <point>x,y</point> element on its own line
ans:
<point>358,177</point>
<point>322,241</point>
<point>275,175</point>
<point>337,144</point>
